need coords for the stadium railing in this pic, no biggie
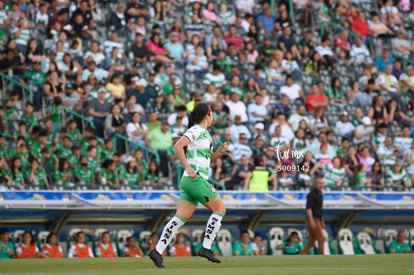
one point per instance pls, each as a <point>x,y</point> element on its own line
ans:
<point>8,83</point>
<point>129,142</point>
<point>324,25</point>
<point>403,59</point>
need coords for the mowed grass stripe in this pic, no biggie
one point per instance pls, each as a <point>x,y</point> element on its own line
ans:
<point>361,264</point>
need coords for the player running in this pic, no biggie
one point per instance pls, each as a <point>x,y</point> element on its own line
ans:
<point>194,150</point>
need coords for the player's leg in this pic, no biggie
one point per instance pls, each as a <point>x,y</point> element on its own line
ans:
<point>214,203</point>
<point>185,209</point>
<point>319,236</point>
<point>311,240</point>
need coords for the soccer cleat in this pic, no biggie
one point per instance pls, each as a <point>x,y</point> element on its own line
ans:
<point>156,258</point>
<point>206,253</point>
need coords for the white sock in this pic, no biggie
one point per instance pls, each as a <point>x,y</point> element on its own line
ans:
<point>169,232</point>
<point>213,226</point>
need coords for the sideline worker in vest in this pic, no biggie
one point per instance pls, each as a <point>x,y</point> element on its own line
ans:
<point>80,249</point>
<point>314,218</point>
<point>259,182</point>
<point>106,249</point>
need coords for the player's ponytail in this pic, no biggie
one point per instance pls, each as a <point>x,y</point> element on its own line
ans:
<point>198,114</point>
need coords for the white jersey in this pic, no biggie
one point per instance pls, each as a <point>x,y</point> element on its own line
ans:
<point>199,150</point>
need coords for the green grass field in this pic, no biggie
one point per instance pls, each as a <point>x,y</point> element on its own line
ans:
<point>362,264</point>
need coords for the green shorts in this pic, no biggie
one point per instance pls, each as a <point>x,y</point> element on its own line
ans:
<point>196,190</point>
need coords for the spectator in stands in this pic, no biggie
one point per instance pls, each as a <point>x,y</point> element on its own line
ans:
<point>261,176</point>
<point>85,174</point>
<point>389,10</point>
<point>326,52</point>
<point>99,110</point>
<point>387,154</point>
<point>37,175</point>
<point>17,175</point>
<point>242,174</point>
<point>364,157</point>
<point>80,248</point>
<point>240,148</point>
<point>63,175</point>
<point>52,248</point>
<point>404,140</point>
<point>363,133</point>
<point>397,177</point>
<point>315,99</point>
<point>243,247</point>
<point>407,80</point>
<point>220,173</point>
<point>359,53</point>
<point>400,245</point>
<point>360,177</point>
<point>6,247</point>
<point>334,174</point>
<point>107,175</point>
<point>28,248</point>
<point>105,248</point>
<point>401,45</point>
<point>344,127</point>
<point>377,176</point>
<point>132,249</point>
<point>318,122</point>
<point>114,122</point>
<point>154,176</point>
<point>117,18</point>
<point>198,62</point>
<point>180,248</point>
<point>378,111</point>
<point>266,21</point>
<point>292,90</point>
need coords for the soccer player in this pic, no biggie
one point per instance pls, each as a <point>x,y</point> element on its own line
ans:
<point>314,218</point>
<point>194,150</point>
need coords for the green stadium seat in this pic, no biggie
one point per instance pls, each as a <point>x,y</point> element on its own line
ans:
<point>365,244</point>
<point>390,235</point>
<point>345,242</point>
<point>275,237</point>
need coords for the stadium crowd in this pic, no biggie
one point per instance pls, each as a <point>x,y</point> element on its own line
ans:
<point>327,85</point>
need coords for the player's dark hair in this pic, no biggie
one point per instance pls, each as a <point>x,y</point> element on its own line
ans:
<point>51,234</point>
<point>198,114</point>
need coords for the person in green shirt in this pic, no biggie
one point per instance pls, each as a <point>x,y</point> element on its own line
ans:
<point>336,94</point>
<point>120,170</point>
<point>55,112</point>
<point>160,139</point>
<point>400,245</point>
<point>29,117</point>
<point>142,165</point>
<point>16,173</point>
<point>40,144</point>
<point>133,175</point>
<point>4,172</point>
<point>6,247</point>
<point>107,175</point>
<point>292,245</point>
<point>4,149</point>
<point>64,150</point>
<point>244,246</point>
<point>23,154</point>
<point>34,77</point>
<point>74,157</point>
<point>73,131</point>
<point>154,176</point>
<point>221,118</point>
<point>223,61</point>
<point>93,142</point>
<point>153,122</point>
<point>63,175</point>
<point>49,161</point>
<point>361,178</point>
<point>83,174</point>
<point>234,87</point>
<point>108,151</point>
<point>37,175</point>
<point>174,82</point>
<point>51,133</point>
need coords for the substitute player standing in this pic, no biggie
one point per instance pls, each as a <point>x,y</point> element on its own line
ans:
<point>194,150</point>
<point>314,218</point>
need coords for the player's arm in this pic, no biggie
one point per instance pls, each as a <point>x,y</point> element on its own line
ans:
<point>179,151</point>
<point>221,150</point>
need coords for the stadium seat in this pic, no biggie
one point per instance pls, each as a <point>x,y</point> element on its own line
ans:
<point>276,236</point>
<point>42,237</point>
<point>197,235</point>
<point>345,242</point>
<point>389,236</point>
<point>144,237</point>
<point>365,243</point>
<point>16,236</point>
<point>411,236</point>
<point>224,242</point>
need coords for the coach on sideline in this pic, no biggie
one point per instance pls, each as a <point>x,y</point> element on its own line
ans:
<point>314,217</point>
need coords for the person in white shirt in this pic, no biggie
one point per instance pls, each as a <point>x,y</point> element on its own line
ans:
<point>241,148</point>
<point>360,53</point>
<point>136,130</point>
<point>277,138</point>
<point>292,90</point>
<point>286,131</point>
<point>364,132</point>
<point>296,118</point>
<point>113,43</point>
<point>94,54</point>
<point>245,6</point>
<point>344,127</point>
<point>237,129</point>
<point>387,81</point>
<point>404,141</point>
<point>257,111</point>
<point>74,251</point>
<point>237,107</point>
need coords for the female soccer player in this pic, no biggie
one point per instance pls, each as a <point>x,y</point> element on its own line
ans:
<point>194,150</point>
